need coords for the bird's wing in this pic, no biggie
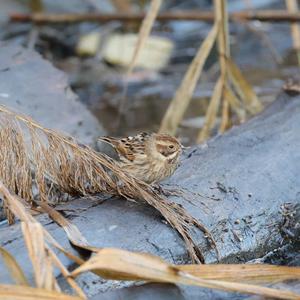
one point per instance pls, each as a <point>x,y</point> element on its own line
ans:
<point>129,149</point>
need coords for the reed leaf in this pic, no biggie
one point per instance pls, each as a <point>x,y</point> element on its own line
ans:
<point>225,121</point>
<point>247,273</point>
<point>212,110</point>
<point>243,88</point>
<point>182,98</point>
<point>74,235</point>
<point>234,103</point>
<point>124,265</point>
<point>66,274</point>
<point>292,7</point>
<point>39,256</point>
<point>20,292</point>
<point>144,31</point>
<point>143,35</point>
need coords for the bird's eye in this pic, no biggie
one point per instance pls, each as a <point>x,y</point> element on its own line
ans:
<point>171,146</point>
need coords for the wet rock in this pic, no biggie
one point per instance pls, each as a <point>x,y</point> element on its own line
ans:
<point>248,174</point>
<point>31,85</point>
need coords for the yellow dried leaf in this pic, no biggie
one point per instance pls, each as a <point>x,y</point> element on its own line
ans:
<point>243,88</point>
<point>74,235</point>
<point>125,265</point>
<point>234,103</point>
<point>18,292</point>
<point>145,30</point>
<point>256,273</point>
<point>182,98</point>
<point>41,262</point>
<point>212,110</point>
<point>225,123</point>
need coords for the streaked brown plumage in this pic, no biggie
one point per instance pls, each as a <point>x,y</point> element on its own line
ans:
<point>148,157</point>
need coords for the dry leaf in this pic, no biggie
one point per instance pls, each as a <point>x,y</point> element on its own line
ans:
<point>145,30</point>
<point>13,267</point>
<point>243,88</point>
<point>74,235</point>
<point>292,7</point>
<point>212,110</point>
<point>125,265</point>
<point>260,273</point>
<point>20,292</point>
<point>144,33</point>
<point>66,274</point>
<point>185,91</point>
<point>234,103</point>
<point>39,256</point>
<point>225,123</point>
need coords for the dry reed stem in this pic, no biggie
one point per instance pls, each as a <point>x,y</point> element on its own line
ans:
<point>182,98</point>
<point>74,235</point>
<point>292,7</point>
<point>212,111</point>
<point>229,73</point>
<point>220,8</point>
<point>243,88</point>
<point>20,292</point>
<point>224,51</point>
<point>59,162</point>
<point>36,239</point>
<point>225,121</point>
<point>143,35</point>
<point>144,31</point>
<point>39,256</point>
<point>66,274</point>
<point>234,103</point>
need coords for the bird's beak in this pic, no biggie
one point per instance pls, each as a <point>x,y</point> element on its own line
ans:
<point>184,147</point>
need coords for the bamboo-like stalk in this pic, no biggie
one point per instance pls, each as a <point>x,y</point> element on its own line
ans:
<point>246,101</point>
<point>186,89</point>
<point>224,52</point>
<point>221,17</point>
<point>292,7</point>
<point>195,15</point>
<point>143,35</point>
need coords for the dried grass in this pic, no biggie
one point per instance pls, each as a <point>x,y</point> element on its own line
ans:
<point>52,161</point>
<point>182,98</point>
<point>212,110</point>
<point>16,292</point>
<point>125,265</point>
<point>144,31</point>
<point>292,7</point>
<point>243,101</point>
<point>42,257</point>
<point>39,255</point>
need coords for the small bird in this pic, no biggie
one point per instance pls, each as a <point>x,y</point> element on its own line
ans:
<point>148,157</point>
